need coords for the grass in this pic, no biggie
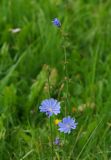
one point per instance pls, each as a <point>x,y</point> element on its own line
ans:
<point>29,56</point>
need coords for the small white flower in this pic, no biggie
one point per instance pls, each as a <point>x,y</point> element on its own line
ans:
<point>15,30</point>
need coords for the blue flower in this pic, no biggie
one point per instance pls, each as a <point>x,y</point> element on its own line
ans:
<point>67,125</point>
<point>56,22</point>
<point>50,107</point>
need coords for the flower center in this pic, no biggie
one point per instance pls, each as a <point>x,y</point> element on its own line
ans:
<point>50,109</point>
<point>68,126</point>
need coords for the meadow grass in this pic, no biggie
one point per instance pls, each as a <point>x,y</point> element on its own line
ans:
<point>28,57</point>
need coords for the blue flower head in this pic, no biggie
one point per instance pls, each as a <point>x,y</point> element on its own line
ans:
<point>50,107</point>
<point>56,22</point>
<point>67,125</point>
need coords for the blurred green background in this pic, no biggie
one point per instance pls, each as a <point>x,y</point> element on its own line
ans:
<point>34,52</point>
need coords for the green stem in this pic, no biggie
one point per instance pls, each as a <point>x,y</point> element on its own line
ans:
<point>49,83</point>
<point>52,147</point>
<point>66,80</point>
<point>51,133</point>
<point>66,72</point>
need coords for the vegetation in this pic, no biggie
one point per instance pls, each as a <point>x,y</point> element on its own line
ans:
<point>76,61</point>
